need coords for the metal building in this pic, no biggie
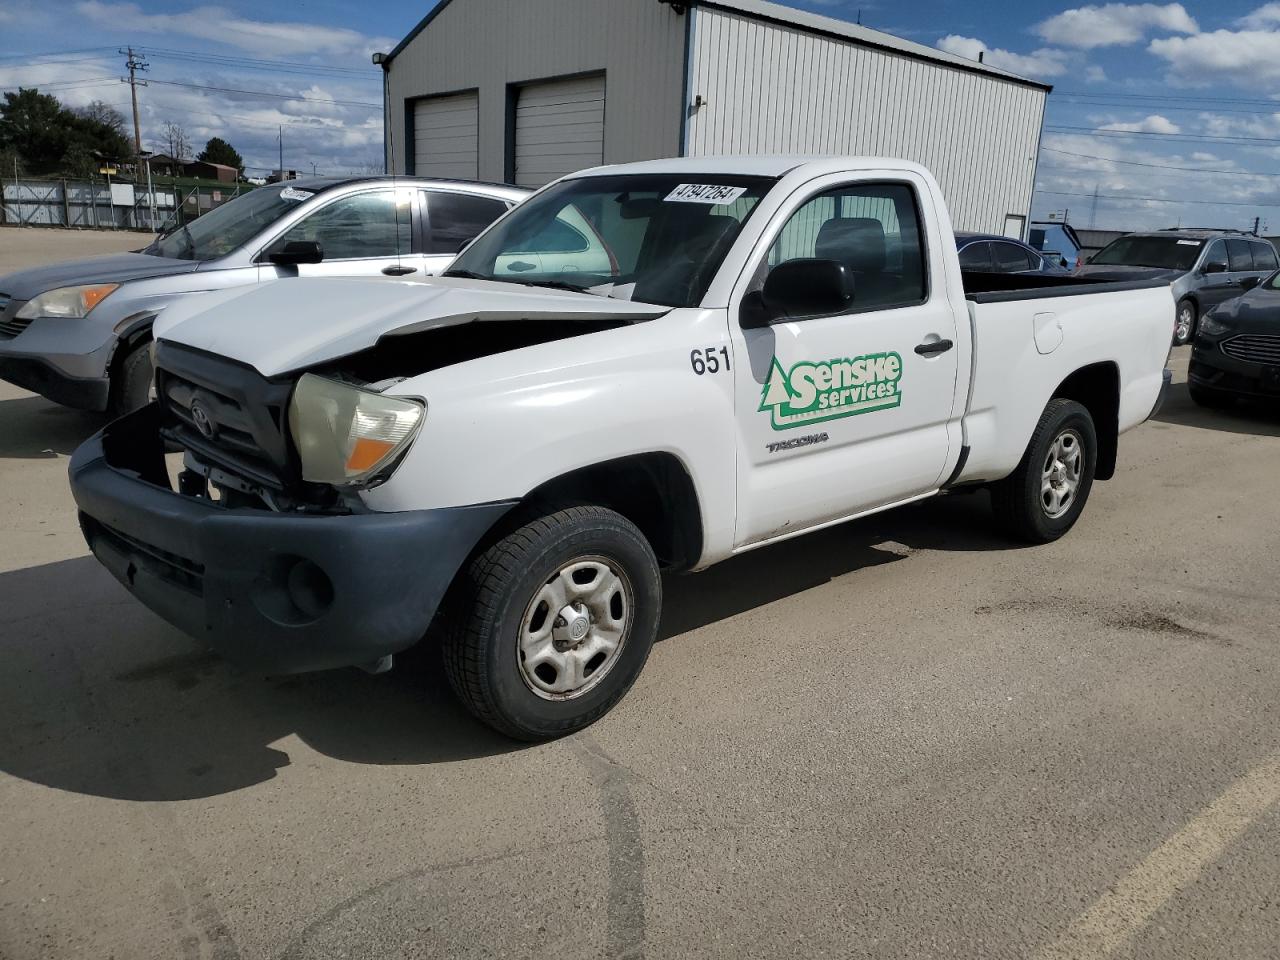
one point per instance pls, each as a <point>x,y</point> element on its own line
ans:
<point>528,90</point>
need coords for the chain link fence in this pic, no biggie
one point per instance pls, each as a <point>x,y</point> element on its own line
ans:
<point>89,204</point>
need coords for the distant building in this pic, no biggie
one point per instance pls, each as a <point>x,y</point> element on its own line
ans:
<point>212,171</point>
<point>162,165</point>
<point>278,175</point>
<point>527,92</point>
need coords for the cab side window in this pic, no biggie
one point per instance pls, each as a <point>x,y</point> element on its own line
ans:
<point>457,218</point>
<point>1241,260</point>
<point>1011,258</point>
<point>873,229</point>
<point>976,257</point>
<point>358,227</point>
<point>1264,256</point>
<point>1217,253</point>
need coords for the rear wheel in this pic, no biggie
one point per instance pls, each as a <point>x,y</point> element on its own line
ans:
<point>1184,327</point>
<point>131,384</point>
<point>1044,496</point>
<point>550,626</point>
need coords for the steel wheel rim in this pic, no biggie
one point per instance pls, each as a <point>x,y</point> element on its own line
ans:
<point>574,628</point>
<point>1061,472</point>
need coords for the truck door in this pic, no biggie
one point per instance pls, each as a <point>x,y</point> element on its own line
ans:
<point>843,413</point>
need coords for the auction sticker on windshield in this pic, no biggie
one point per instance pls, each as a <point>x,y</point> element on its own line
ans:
<point>813,391</point>
<point>716,195</point>
<point>289,193</point>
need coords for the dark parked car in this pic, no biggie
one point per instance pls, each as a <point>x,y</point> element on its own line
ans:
<point>1057,241</point>
<point>1237,348</point>
<point>1204,267</point>
<point>988,253</point>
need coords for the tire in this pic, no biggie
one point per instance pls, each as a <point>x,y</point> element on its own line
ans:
<point>505,650</point>
<point>1025,507</point>
<point>131,382</point>
<point>1186,320</point>
<point>1209,398</point>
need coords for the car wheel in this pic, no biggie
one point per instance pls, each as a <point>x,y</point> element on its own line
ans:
<point>549,627</point>
<point>1184,327</point>
<point>132,383</point>
<point>1209,398</point>
<point>1044,496</point>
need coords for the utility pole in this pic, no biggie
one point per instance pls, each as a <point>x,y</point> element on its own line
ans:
<point>1256,222</point>
<point>1093,210</point>
<point>135,63</point>
<point>280,134</point>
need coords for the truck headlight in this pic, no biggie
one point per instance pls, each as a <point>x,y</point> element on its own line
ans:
<point>345,435</point>
<point>69,302</point>
<point>1212,325</point>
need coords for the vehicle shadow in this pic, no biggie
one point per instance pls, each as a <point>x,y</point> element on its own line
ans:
<point>100,697</point>
<point>1259,419</point>
<point>33,428</point>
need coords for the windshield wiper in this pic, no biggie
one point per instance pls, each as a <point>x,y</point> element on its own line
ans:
<point>465,275</point>
<point>552,284</point>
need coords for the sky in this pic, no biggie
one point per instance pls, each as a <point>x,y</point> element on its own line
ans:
<point>1169,113</point>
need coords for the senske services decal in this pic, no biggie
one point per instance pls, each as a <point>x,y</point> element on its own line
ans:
<point>813,391</point>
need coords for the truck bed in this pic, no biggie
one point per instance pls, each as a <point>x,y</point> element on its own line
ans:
<point>1003,287</point>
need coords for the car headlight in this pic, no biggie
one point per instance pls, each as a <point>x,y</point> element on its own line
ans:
<point>1212,325</point>
<point>346,436</point>
<point>70,302</point>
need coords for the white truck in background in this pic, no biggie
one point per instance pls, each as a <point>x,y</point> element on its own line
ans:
<point>648,366</point>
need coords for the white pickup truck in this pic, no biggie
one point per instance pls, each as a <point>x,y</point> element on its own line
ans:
<point>643,367</point>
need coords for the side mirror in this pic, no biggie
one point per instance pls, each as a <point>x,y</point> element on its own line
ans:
<point>297,251</point>
<point>1248,283</point>
<point>799,288</point>
<point>1215,266</point>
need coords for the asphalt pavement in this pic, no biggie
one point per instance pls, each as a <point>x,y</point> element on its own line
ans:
<point>902,738</point>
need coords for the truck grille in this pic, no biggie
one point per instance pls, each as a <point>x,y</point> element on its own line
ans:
<point>10,327</point>
<point>1254,348</point>
<point>227,415</point>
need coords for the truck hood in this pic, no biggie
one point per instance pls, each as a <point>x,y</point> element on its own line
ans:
<point>290,324</point>
<point>1122,272</point>
<point>114,268</point>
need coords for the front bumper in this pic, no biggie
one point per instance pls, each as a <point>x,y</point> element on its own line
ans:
<point>281,593</point>
<point>1211,369</point>
<point>40,376</point>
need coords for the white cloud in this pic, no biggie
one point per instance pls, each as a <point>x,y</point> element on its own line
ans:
<point>1152,124</point>
<point>1038,63</point>
<point>1095,74</point>
<point>1264,18</point>
<point>1114,24</point>
<point>1245,57</point>
<point>270,38</point>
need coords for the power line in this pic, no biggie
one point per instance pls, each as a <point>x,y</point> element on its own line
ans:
<point>1161,166</point>
<point>269,95</point>
<point>1164,97</point>
<point>1275,107</point>
<point>1212,203</point>
<point>171,53</point>
<point>1198,137</point>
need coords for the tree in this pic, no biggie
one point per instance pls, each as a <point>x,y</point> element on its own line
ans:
<point>176,139</point>
<point>49,138</point>
<point>218,150</point>
<point>103,113</point>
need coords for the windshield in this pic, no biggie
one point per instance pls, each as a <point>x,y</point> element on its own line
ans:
<point>224,228</point>
<point>1169,253</point>
<point>653,238</point>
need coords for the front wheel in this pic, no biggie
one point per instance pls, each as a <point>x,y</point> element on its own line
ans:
<point>1044,496</point>
<point>1184,327</point>
<point>132,384</point>
<point>549,627</point>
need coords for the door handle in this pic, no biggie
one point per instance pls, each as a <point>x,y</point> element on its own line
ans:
<point>399,270</point>
<point>520,266</point>
<point>932,349</point>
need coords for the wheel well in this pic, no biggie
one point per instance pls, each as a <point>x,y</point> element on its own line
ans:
<point>1097,389</point>
<point>652,490</point>
<point>139,333</point>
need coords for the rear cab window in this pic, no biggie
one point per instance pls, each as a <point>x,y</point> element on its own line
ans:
<point>454,219</point>
<point>1239,256</point>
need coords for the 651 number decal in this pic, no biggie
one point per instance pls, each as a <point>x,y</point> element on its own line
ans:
<point>708,360</point>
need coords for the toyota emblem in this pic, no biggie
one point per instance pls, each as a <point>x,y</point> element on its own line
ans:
<point>204,423</point>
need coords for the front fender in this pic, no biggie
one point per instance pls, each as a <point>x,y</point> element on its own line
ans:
<point>501,426</point>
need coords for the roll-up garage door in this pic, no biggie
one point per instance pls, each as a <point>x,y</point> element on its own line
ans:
<point>446,137</point>
<point>559,129</point>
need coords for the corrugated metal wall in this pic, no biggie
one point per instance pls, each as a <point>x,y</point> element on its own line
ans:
<point>488,44</point>
<point>771,89</point>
